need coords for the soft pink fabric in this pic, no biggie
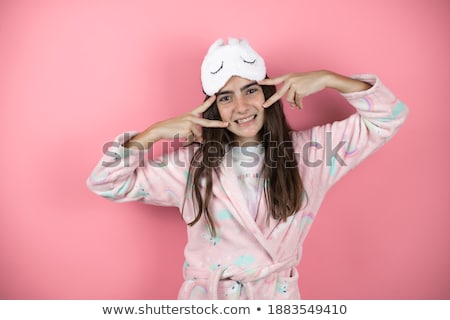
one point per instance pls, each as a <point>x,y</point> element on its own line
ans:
<point>252,259</point>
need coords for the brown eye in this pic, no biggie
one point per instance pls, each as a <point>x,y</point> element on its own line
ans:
<point>252,90</point>
<point>224,99</point>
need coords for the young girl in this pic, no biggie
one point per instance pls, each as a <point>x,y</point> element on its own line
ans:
<point>248,188</point>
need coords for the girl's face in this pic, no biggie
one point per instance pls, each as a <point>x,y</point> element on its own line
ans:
<point>240,104</point>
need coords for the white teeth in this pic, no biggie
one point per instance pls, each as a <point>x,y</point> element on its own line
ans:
<point>246,119</point>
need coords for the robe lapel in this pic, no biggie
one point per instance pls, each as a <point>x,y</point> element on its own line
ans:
<point>241,213</point>
<point>261,218</point>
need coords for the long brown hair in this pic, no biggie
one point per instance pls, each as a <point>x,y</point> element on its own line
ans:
<point>283,186</point>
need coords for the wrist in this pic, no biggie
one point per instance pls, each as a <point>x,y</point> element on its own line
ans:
<point>334,80</point>
<point>152,133</point>
<point>345,84</point>
<point>143,140</point>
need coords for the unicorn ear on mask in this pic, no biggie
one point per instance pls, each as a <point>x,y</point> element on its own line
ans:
<point>215,45</point>
<point>236,58</point>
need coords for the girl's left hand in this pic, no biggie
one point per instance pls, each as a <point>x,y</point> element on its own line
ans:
<point>296,86</point>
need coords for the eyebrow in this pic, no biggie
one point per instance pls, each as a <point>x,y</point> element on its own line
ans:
<point>248,85</point>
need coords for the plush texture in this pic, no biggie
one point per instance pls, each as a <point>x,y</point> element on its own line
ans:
<point>252,256</point>
<point>236,58</point>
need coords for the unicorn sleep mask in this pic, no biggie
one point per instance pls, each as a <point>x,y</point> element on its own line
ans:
<point>236,58</point>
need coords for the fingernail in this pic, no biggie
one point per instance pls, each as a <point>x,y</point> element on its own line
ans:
<point>226,124</point>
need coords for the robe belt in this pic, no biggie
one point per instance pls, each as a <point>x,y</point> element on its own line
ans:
<point>243,276</point>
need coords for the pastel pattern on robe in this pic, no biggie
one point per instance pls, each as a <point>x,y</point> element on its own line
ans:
<point>252,258</point>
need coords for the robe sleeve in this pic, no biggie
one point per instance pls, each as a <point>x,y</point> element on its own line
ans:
<point>124,175</point>
<point>329,151</point>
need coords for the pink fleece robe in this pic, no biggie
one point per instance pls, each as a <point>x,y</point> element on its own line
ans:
<point>250,258</point>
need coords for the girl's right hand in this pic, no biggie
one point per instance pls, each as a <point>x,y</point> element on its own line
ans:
<point>186,126</point>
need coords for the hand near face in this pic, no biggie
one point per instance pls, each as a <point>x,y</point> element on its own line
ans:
<point>296,86</point>
<point>186,126</point>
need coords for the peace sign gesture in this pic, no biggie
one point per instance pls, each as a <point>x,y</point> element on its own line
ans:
<point>296,86</point>
<point>186,126</point>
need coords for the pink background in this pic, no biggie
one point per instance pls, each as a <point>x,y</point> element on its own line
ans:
<point>73,74</point>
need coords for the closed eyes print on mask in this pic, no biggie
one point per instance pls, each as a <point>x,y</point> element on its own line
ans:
<point>223,61</point>
<point>220,68</point>
<point>245,60</point>
<point>248,61</point>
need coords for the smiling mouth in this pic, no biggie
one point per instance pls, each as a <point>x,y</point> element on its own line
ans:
<point>250,118</point>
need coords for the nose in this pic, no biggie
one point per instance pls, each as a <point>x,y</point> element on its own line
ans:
<point>241,105</point>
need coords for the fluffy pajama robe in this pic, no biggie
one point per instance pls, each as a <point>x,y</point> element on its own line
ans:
<point>252,258</point>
